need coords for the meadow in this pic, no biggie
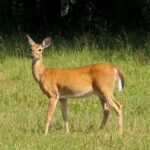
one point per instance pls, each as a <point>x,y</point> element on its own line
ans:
<point>23,106</point>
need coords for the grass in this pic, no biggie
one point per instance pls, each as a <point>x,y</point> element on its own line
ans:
<point>23,106</point>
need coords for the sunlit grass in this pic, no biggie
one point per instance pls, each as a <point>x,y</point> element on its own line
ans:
<point>23,106</point>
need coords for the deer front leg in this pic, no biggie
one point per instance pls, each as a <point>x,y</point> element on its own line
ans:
<point>51,108</point>
<point>63,103</point>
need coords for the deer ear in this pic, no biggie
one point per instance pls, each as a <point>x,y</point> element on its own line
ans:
<point>46,42</point>
<point>31,42</point>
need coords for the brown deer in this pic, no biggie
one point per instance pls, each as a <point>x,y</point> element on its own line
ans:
<point>62,83</point>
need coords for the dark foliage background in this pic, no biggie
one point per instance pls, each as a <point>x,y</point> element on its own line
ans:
<point>94,16</point>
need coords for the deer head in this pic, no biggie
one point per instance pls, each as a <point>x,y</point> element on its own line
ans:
<point>37,49</point>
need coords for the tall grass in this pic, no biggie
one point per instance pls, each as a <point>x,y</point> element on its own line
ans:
<point>23,106</point>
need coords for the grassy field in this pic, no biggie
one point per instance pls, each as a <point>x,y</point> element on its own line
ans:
<point>23,106</point>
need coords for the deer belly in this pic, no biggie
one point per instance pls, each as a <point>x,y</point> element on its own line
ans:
<point>80,94</point>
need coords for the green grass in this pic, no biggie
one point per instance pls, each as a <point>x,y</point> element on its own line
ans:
<point>23,106</point>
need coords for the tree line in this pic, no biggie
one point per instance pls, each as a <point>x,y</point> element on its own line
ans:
<point>79,15</point>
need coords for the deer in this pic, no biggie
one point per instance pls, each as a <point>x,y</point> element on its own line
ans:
<point>59,84</point>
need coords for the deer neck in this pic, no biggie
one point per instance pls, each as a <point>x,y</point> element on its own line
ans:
<point>38,69</point>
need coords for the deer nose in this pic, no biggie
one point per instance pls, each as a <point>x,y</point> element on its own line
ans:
<point>32,56</point>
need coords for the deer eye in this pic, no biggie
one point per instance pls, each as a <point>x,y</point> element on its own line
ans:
<point>40,50</point>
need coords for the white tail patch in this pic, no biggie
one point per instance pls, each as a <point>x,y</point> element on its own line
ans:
<point>119,83</point>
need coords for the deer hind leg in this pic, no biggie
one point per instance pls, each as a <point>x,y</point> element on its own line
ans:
<point>63,103</point>
<point>106,111</point>
<point>118,109</point>
<point>51,108</point>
